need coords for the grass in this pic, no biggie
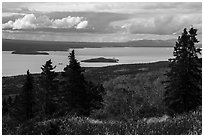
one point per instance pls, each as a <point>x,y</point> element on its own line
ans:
<point>185,124</point>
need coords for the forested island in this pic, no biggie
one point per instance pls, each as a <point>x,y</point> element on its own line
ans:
<point>30,53</point>
<point>101,60</point>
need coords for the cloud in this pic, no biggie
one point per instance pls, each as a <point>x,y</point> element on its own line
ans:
<point>128,17</point>
<point>9,14</point>
<point>82,24</point>
<point>27,22</point>
<point>160,24</point>
<point>67,22</point>
<point>30,21</point>
<point>120,7</point>
<point>8,25</point>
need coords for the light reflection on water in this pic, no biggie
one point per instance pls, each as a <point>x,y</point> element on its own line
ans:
<point>14,64</point>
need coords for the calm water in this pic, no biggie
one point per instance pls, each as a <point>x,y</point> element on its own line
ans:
<point>14,64</point>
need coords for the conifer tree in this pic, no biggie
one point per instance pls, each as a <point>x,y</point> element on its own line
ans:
<point>27,97</point>
<point>80,95</point>
<point>76,94</point>
<point>48,83</point>
<point>183,91</point>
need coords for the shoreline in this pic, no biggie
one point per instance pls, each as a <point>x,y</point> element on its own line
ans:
<point>109,66</point>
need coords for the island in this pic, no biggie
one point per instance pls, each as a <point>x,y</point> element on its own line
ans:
<point>30,52</point>
<point>101,60</point>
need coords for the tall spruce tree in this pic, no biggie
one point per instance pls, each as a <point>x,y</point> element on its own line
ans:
<point>27,97</point>
<point>49,85</point>
<point>183,90</point>
<point>76,93</point>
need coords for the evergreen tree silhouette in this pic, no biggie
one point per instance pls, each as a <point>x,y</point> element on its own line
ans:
<point>76,94</point>
<point>27,97</point>
<point>81,96</point>
<point>49,85</point>
<point>183,91</point>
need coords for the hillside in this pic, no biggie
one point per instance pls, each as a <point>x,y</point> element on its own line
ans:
<point>119,82</point>
<point>13,84</point>
<point>29,45</point>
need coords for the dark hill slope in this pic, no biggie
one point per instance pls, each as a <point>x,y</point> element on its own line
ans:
<point>13,84</point>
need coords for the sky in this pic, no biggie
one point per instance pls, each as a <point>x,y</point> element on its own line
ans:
<point>99,22</point>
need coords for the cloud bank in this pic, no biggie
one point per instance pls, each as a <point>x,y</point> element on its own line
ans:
<point>30,21</point>
<point>160,24</point>
<point>119,7</point>
<point>129,17</point>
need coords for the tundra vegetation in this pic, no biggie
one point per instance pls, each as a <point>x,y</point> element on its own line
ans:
<point>145,99</point>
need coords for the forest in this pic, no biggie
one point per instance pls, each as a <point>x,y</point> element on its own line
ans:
<point>161,98</point>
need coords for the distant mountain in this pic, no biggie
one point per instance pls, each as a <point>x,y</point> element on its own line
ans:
<point>153,43</point>
<point>30,45</point>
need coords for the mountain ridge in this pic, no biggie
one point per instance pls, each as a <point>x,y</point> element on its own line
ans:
<point>31,45</point>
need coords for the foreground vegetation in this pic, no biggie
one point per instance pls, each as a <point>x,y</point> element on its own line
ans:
<point>185,124</point>
<point>146,82</point>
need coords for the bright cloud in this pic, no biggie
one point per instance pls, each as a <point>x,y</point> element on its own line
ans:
<point>126,18</point>
<point>30,21</point>
<point>120,7</point>
<point>160,24</point>
<point>8,14</point>
<point>82,24</point>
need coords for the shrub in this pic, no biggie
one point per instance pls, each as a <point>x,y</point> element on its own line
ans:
<point>189,123</point>
<point>135,96</point>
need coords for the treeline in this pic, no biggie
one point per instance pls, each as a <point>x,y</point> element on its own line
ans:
<point>69,93</point>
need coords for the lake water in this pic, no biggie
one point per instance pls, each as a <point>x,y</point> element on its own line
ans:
<point>15,64</point>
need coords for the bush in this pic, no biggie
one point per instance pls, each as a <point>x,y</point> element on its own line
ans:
<point>32,127</point>
<point>185,124</point>
<point>135,96</point>
<point>9,125</point>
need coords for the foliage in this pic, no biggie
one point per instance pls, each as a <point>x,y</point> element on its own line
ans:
<point>183,91</point>
<point>135,96</point>
<point>12,85</point>
<point>185,124</point>
<point>80,96</point>
<point>27,97</point>
<point>75,93</point>
<point>95,95</point>
<point>4,106</point>
<point>49,85</point>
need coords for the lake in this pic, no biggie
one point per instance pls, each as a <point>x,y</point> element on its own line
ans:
<point>17,64</point>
